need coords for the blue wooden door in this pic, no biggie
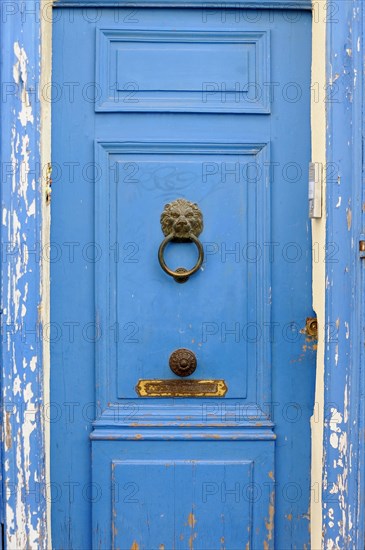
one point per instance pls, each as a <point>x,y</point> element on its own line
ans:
<point>151,106</point>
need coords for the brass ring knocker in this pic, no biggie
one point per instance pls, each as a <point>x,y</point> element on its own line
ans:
<point>181,222</point>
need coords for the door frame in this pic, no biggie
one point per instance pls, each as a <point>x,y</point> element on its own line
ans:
<point>338,420</point>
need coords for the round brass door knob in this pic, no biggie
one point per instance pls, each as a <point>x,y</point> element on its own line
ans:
<point>183,362</point>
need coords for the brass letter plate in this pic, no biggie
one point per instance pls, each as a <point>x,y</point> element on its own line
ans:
<point>181,388</point>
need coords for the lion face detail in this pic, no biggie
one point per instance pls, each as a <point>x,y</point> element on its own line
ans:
<point>181,218</point>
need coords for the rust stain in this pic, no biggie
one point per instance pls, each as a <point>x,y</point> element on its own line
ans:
<point>135,546</point>
<point>310,329</point>
<point>161,547</point>
<point>191,520</point>
<point>138,436</point>
<point>181,537</point>
<point>191,541</point>
<point>266,546</point>
<point>270,522</point>
<point>306,348</point>
<point>247,547</point>
<point>271,475</point>
<point>289,517</point>
<point>114,530</point>
<point>297,359</point>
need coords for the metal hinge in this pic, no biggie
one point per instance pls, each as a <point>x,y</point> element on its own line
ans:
<point>48,183</point>
<point>362,246</point>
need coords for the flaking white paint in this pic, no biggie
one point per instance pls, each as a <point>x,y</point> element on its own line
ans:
<point>23,530</point>
<point>20,75</point>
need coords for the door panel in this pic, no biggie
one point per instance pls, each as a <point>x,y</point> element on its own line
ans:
<point>216,112</point>
<point>133,294</point>
<point>173,518</point>
<point>170,71</point>
<point>182,503</point>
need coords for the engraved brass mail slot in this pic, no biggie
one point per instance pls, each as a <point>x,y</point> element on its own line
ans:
<point>181,388</point>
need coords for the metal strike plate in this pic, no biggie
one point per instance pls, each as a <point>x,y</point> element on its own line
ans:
<point>181,388</point>
<point>315,190</point>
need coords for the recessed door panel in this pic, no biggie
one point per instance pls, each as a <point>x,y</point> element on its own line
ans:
<point>214,495</point>
<point>183,71</point>
<point>228,295</point>
<point>207,502</point>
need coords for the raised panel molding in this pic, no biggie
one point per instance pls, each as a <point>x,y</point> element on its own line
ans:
<point>206,5</point>
<point>130,66</point>
<point>131,421</point>
<point>241,417</point>
<point>145,494</point>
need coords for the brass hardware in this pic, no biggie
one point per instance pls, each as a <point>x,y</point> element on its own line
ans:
<point>181,222</point>
<point>182,362</point>
<point>181,279</point>
<point>361,246</point>
<point>181,388</point>
<point>311,327</point>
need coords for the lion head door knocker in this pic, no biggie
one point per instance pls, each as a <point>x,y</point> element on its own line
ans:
<point>181,222</point>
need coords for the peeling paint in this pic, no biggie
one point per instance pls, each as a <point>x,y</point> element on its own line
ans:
<point>191,520</point>
<point>25,509</point>
<point>349,218</point>
<point>191,541</point>
<point>269,522</point>
<point>20,76</point>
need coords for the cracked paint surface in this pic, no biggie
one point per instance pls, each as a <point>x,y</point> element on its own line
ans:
<point>343,428</point>
<point>24,481</point>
